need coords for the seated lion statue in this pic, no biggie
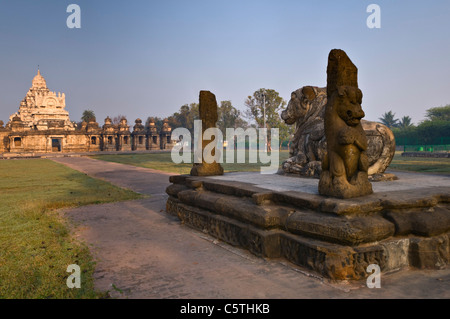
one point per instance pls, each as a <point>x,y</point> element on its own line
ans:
<point>308,145</point>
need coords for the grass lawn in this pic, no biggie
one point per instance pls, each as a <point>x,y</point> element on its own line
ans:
<point>35,244</point>
<point>421,164</point>
<point>163,162</point>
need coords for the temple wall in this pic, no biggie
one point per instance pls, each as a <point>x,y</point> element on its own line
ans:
<point>49,141</point>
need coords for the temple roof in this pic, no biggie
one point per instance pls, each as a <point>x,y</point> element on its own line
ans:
<point>39,81</point>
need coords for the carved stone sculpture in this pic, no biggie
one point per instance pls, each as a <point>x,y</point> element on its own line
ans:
<point>208,115</point>
<point>345,166</point>
<point>306,110</point>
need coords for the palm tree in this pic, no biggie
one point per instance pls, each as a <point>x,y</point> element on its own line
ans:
<point>405,122</point>
<point>88,115</point>
<point>389,119</point>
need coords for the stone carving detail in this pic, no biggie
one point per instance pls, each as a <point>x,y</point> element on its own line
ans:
<point>306,110</point>
<point>345,166</point>
<point>208,115</point>
<point>43,109</point>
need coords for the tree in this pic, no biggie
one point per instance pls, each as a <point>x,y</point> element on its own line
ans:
<point>433,130</point>
<point>116,119</point>
<point>389,119</point>
<point>274,104</point>
<point>405,122</point>
<point>439,113</point>
<point>88,116</point>
<point>185,117</point>
<point>229,117</point>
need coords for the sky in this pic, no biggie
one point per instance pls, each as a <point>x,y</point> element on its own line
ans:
<point>148,58</point>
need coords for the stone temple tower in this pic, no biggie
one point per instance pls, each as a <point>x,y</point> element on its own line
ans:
<point>42,109</point>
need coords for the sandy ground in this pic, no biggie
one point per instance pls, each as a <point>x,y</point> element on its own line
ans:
<point>142,252</point>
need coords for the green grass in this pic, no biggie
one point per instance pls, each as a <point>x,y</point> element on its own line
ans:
<point>421,164</point>
<point>35,244</point>
<point>163,162</point>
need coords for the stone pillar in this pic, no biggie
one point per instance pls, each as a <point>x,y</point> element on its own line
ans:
<point>208,116</point>
<point>344,168</point>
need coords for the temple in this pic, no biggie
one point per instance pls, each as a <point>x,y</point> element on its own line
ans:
<point>42,125</point>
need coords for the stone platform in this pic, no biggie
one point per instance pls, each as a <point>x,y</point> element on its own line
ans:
<point>405,223</point>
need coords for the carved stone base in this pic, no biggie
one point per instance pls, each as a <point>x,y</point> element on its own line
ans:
<point>339,187</point>
<point>334,237</point>
<point>205,169</point>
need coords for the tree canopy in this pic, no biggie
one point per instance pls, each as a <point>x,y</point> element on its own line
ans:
<point>434,130</point>
<point>88,116</point>
<point>229,117</point>
<point>405,122</point>
<point>274,104</point>
<point>438,113</point>
<point>267,99</point>
<point>388,119</point>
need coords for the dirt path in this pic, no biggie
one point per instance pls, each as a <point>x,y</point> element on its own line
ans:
<point>146,253</point>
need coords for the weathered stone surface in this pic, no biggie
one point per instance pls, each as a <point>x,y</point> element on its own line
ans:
<point>338,238</point>
<point>433,253</point>
<point>344,168</point>
<point>174,189</point>
<point>382,201</point>
<point>342,230</point>
<point>232,188</point>
<point>368,255</point>
<point>382,177</point>
<point>243,210</point>
<point>306,109</point>
<point>264,243</point>
<point>209,117</point>
<point>422,222</point>
<point>178,179</point>
<point>329,260</point>
<point>396,252</point>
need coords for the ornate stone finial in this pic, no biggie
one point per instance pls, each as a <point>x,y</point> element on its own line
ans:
<point>345,166</point>
<point>138,121</point>
<point>108,120</point>
<point>1,124</point>
<point>38,81</point>
<point>208,115</point>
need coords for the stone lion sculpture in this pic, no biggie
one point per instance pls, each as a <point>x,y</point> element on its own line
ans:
<point>345,166</point>
<point>307,149</point>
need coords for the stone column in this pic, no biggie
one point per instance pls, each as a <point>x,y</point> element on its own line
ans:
<point>208,116</point>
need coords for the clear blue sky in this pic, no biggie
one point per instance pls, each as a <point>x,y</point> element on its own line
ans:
<point>147,58</point>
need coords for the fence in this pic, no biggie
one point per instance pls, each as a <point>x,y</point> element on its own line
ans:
<point>426,148</point>
<point>409,144</point>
